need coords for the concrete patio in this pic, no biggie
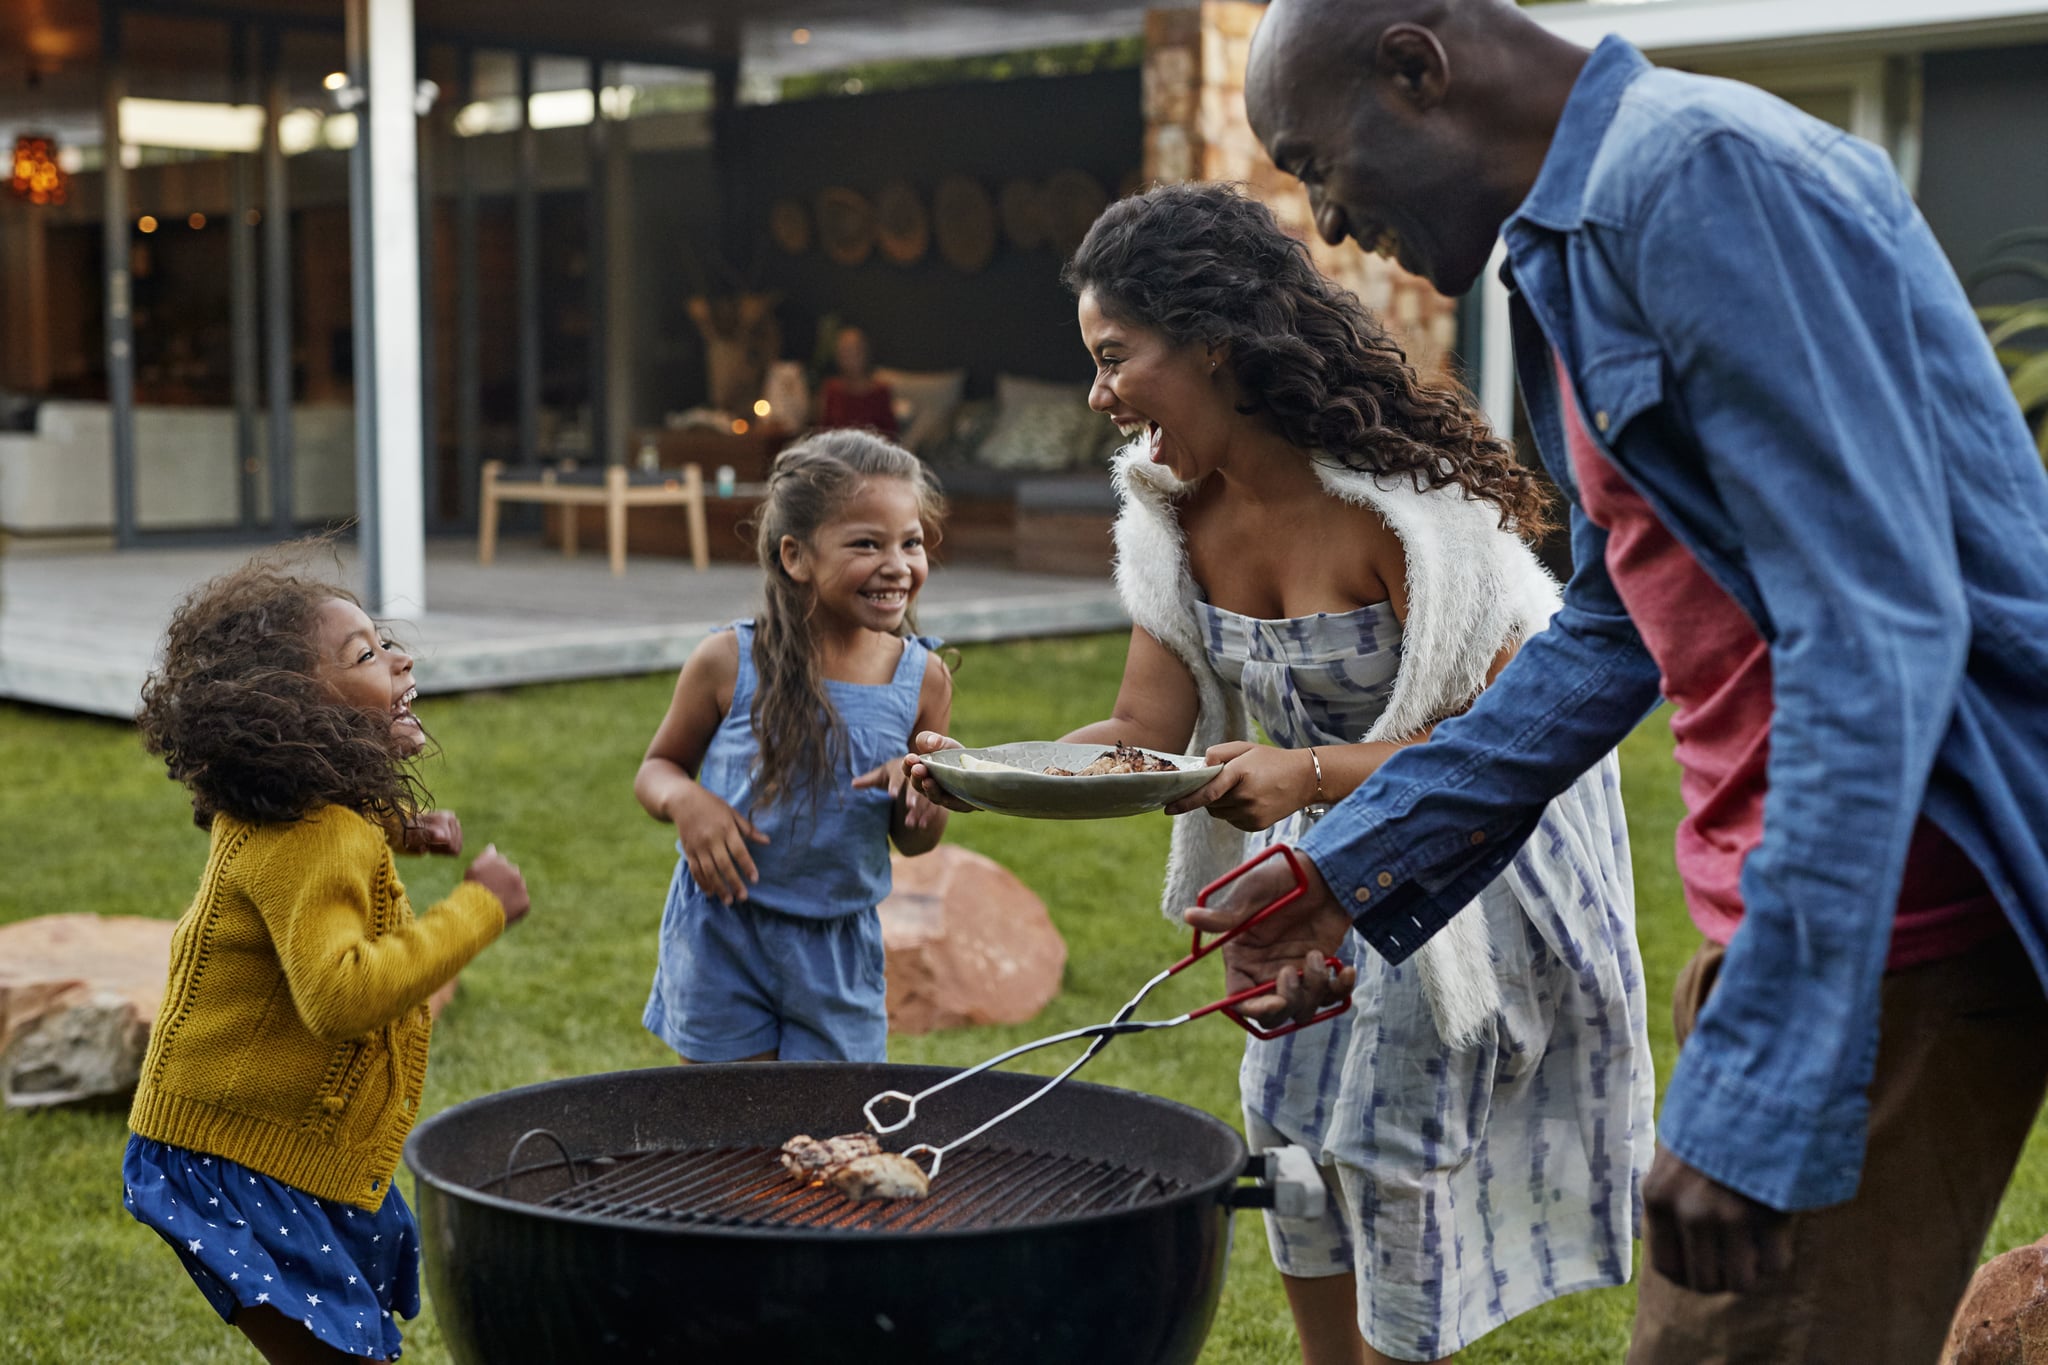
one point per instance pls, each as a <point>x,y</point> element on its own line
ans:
<point>79,629</point>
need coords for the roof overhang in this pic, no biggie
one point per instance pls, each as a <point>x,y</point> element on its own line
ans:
<point>1716,30</point>
<point>56,89</point>
<point>761,34</point>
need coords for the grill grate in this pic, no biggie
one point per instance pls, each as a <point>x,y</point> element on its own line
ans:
<point>746,1187</point>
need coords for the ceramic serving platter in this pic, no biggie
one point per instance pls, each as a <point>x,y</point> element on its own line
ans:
<point>1008,779</point>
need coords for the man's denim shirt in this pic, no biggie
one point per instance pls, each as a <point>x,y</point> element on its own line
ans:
<point>1771,347</point>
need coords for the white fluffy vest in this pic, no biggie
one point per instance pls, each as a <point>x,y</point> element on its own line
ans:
<point>1473,589</point>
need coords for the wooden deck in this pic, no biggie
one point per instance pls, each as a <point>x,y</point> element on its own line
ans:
<point>80,629</point>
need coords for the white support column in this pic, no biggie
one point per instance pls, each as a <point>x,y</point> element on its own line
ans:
<point>623,286</point>
<point>1496,348</point>
<point>393,522</point>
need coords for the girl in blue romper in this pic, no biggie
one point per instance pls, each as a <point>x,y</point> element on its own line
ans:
<point>775,765</point>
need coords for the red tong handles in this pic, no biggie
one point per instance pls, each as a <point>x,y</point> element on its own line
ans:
<point>1229,1006</point>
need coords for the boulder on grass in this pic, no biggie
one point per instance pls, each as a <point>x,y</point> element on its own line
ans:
<point>2003,1318</point>
<point>78,995</point>
<point>967,943</point>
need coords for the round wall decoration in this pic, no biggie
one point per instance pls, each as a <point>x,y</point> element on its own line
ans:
<point>903,230</point>
<point>789,223</point>
<point>1074,200</point>
<point>846,225</point>
<point>1024,215</point>
<point>966,223</point>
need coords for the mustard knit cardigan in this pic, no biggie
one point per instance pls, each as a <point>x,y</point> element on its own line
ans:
<point>293,1033</point>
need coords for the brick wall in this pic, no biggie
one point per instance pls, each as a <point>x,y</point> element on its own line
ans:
<point>1195,129</point>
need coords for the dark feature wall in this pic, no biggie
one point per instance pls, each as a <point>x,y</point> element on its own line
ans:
<point>1011,317</point>
<point>675,219</point>
<point>1984,167</point>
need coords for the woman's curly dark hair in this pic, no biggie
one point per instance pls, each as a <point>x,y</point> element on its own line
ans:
<point>240,716</point>
<point>1206,263</point>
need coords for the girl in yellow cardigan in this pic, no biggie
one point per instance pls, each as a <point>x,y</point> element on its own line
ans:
<point>285,1067</point>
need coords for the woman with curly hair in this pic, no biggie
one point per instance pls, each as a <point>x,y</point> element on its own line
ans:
<point>286,1063</point>
<point>1314,540</point>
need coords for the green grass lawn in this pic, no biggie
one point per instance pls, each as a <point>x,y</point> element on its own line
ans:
<point>88,822</point>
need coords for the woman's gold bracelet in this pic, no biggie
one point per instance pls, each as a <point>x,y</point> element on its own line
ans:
<point>1319,775</point>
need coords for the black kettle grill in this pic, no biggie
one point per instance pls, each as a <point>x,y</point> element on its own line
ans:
<point>644,1216</point>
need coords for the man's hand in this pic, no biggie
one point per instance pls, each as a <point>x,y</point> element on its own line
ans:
<point>434,831</point>
<point>1295,947</point>
<point>1708,1238</point>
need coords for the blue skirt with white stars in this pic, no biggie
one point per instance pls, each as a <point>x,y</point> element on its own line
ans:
<point>249,1241</point>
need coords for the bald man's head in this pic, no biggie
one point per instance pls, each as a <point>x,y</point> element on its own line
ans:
<point>1381,109</point>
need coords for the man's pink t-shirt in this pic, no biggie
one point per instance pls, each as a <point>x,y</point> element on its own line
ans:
<point>1717,676</point>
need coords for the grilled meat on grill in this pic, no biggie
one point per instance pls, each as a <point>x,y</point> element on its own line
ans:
<point>855,1165</point>
<point>885,1175</point>
<point>812,1159</point>
<point>1122,759</point>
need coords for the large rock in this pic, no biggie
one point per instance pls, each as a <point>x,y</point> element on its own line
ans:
<point>2003,1319</point>
<point>78,994</point>
<point>967,943</point>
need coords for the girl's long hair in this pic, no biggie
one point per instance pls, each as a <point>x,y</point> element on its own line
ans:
<point>801,736</point>
<point>1205,263</point>
<point>239,714</point>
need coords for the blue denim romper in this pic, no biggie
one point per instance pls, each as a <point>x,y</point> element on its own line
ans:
<point>796,969</point>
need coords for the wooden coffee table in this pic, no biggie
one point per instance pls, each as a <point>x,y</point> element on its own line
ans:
<point>616,488</point>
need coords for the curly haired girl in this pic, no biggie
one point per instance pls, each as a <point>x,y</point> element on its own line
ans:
<point>774,765</point>
<point>286,1063</point>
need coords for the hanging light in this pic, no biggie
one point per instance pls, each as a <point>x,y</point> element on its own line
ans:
<point>36,175</point>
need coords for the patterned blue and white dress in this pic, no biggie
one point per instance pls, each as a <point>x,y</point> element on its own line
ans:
<point>248,1241</point>
<point>1471,1185</point>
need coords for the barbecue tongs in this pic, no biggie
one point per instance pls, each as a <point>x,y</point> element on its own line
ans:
<point>1123,1023</point>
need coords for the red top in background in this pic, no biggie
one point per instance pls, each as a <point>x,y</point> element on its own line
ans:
<point>1717,674</point>
<point>839,406</point>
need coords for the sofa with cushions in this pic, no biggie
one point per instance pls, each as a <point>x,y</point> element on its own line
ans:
<point>1026,472</point>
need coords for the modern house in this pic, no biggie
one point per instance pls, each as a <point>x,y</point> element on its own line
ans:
<point>341,252</point>
<point>338,254</point>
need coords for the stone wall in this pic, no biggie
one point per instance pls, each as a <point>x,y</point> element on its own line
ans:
<point>1195,129</point>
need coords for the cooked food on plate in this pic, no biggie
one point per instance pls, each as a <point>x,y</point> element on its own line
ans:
<point>1122,759</point>
<point>974,763</point>
<point>855,1165</point>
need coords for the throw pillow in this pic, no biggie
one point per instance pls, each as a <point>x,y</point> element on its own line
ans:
<point>1041,435</point>
<point>931,396</point>
<point>969,427</point>
<point>1015,390</point>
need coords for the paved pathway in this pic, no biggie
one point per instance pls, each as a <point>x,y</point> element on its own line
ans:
<point>79,629</point>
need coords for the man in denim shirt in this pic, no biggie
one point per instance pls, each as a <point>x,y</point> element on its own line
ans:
<point>1804,507</point>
